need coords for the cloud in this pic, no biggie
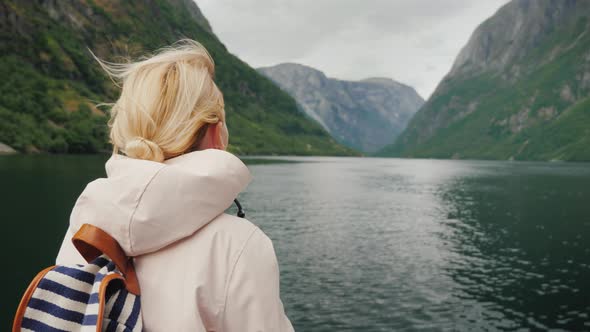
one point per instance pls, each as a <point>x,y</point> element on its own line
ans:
<point>412,41</point>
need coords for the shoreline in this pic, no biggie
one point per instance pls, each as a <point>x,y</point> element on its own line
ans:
<point>7,150</point>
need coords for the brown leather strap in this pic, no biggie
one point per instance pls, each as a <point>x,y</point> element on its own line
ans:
<point>92,242</point>
<point>22,307</point>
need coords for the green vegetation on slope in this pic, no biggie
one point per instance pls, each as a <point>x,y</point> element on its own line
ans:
<point>51,83</point>
<point>543,114</point>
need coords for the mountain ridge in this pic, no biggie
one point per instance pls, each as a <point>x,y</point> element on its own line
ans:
<point>360,114</point>
<point>53,84</point>
<point>522,73</point>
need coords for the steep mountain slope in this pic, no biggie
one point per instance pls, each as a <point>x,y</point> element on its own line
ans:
<point>363,115</point>
<point>50,83</point>
<point>518,90</point>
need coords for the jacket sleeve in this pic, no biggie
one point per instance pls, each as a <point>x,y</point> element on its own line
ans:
<point>253,296</point>
<point>68,254</point>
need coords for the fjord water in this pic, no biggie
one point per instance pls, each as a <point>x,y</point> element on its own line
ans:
<point>371,244</point>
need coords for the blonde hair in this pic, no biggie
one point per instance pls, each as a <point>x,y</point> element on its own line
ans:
<point>167,100</point>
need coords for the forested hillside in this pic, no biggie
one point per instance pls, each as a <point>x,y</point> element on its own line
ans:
<point>50,83</point>
<point>519,89</point>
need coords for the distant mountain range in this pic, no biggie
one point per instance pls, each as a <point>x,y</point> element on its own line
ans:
<point>519,89</point>
<point>365,115</point>
<point>50,83</point>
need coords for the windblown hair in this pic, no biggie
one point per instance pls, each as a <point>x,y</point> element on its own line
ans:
<point>167,101</point>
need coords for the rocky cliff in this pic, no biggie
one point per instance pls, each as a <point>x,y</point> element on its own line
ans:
<point>365,115</point>
<point>518,90</point>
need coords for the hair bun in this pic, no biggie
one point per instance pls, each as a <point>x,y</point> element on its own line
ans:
<point>142,148</point>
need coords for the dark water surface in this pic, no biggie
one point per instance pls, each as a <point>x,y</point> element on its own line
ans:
<point>371,244</point>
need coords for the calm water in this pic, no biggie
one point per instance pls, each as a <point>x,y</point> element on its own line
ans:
<point>372,244</point>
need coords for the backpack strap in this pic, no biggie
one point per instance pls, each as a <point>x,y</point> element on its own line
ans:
<point>92,242</point>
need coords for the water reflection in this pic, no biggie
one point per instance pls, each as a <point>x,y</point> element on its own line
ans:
<point>373,244</point>
<point>520,236</point>
<point>383,245</point>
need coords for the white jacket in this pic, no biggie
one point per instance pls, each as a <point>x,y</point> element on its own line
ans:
<point>198,268</point>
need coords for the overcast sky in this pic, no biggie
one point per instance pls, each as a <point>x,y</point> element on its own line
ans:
<point>411,41</point>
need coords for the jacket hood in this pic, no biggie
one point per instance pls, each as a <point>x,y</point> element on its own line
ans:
<point>147,205</point>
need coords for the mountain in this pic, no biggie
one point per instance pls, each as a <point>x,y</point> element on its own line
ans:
<point>50,83</point>
<point>519,89</point>
<point>365,115</point>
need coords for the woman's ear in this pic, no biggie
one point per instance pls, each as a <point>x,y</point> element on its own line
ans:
<point>213,138</point>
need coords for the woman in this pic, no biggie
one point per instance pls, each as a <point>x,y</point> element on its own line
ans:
<point>164,201</point>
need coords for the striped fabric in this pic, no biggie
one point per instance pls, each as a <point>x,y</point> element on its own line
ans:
<point>67,299</point>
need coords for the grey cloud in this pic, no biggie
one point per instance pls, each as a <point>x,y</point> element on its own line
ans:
<point>413,41</point>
